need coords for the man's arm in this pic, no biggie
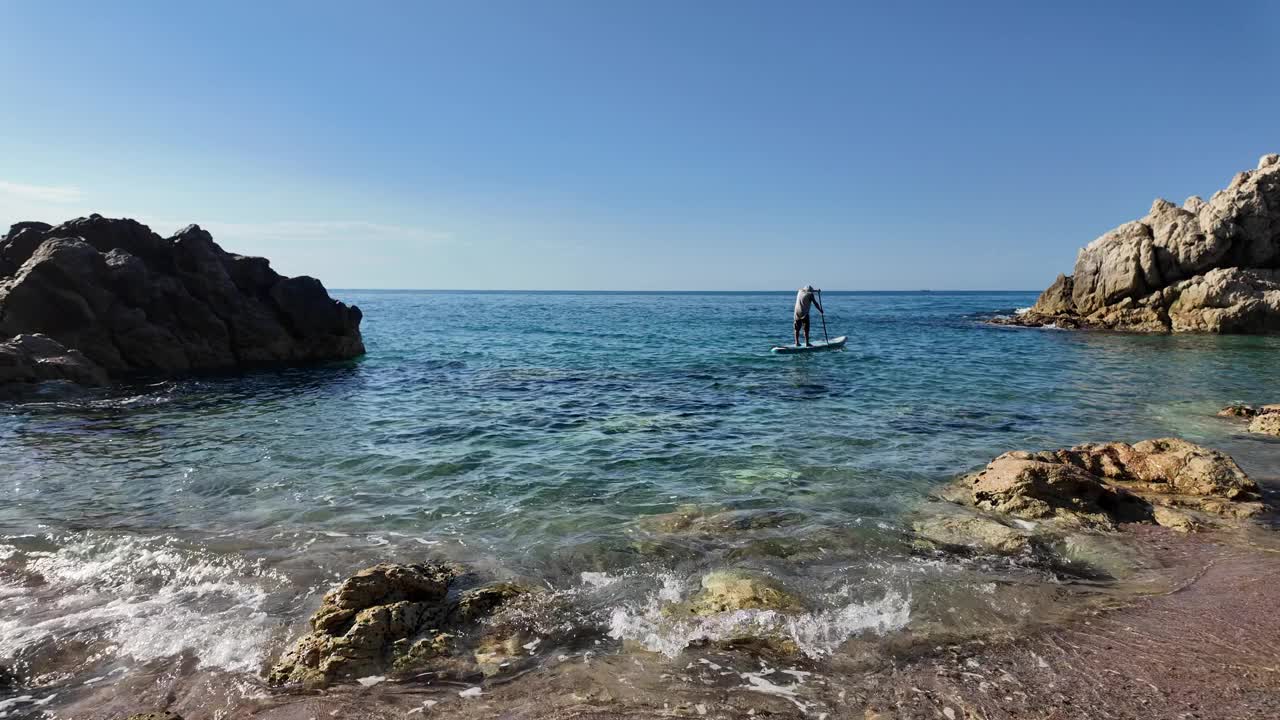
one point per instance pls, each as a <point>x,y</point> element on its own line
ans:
<point>815,302</point>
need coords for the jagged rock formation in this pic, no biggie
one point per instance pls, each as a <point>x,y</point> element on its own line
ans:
<point>1169,482</point>
<point>133,302</point>
<point>1204,267</point>
<point>397,618</point>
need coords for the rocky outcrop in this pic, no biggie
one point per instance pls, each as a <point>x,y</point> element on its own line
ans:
<point>133,302</point>
<point>392,618</point>
<point>36,358</point>
<point>1167,481</point>
<point>1263,419</point>
<point>1203,267</point>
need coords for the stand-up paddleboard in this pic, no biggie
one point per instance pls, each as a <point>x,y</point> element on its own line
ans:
<point>833,344</point>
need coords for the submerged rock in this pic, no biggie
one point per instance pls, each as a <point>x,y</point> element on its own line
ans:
<point>961,528</point>
<point>739,609</point>
<point>133,302</point>
<point>712,521</point>
<point>732,590</point>
<point>1204,267</point>
<point>386,618</point>
<point>1099,485</point>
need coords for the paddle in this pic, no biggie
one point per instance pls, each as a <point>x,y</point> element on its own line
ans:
<point>823,314</point>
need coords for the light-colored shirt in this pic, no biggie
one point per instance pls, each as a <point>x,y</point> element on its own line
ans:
<point>804,298</point>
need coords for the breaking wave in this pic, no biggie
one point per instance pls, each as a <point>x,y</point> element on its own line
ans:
<point>133,598</point>
<point>816,633</point>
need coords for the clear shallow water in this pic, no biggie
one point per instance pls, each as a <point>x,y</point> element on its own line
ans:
<point>530,435</point>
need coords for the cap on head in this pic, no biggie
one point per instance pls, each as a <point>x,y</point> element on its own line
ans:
<point>807,288</point>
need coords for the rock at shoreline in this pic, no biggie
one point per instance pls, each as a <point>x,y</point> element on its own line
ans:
<point>1204,267</point>
<point>37,358</point>
<point>1266,424</point>
<point>133,302</point>
<point>1167,481</point>
<point>960,528</point>
<point>732,590</point>
<point>1263,419</point>
<point>388,618</point>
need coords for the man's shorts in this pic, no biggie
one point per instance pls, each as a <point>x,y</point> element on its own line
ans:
<point>802,323</point>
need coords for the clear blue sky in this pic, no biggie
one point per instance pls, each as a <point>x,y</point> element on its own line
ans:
<point>635,145</point>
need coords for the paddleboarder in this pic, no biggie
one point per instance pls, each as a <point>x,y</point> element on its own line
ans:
<point>806,296</point>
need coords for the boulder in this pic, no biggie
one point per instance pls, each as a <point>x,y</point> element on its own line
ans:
<point>386,618</point>
<point>1204,267</point>
<point>133,302</point>
<point>1167,481</point>
<point>1266,424</point>
<point>36,358</point>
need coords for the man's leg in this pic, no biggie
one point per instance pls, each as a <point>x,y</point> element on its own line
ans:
<point>806,333</point>
<point>795,325</point>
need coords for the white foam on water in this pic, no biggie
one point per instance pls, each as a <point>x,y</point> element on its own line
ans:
<point>598,579</point>
<point>143,598</point>
<point>816,633</point>
<point>1022,311</point>
<point>10,705</point>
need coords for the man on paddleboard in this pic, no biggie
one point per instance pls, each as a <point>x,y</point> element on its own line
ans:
<point>805,297</point>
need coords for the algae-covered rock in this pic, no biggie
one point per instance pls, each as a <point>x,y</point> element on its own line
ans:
<point>1108,554</point>
<point>498,651</point>
<point>701,520</point>
<point>387,617</point>
<point>477,603</point>
<point>1174,519</point>
<point>950,528</point>
<point>730,590</point>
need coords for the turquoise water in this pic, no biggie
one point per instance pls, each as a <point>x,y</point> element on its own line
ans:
<point>530,434</point>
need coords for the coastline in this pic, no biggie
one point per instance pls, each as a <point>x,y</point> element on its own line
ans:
<point>1206,645</point>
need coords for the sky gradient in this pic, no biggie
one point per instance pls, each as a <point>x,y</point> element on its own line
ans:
<point>634,145</point>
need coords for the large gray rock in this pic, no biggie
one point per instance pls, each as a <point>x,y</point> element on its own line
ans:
<point>133,302</point>
<point>1204,267</point>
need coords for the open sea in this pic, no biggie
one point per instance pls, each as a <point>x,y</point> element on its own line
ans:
<point>177,534</point>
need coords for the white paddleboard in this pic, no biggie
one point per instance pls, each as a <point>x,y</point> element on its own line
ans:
<point>835,344</point>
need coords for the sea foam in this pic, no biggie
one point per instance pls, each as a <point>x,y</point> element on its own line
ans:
<point>140,598</point>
